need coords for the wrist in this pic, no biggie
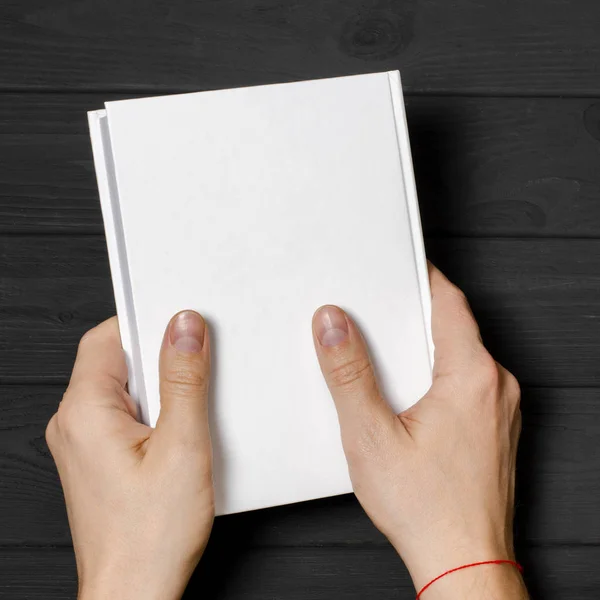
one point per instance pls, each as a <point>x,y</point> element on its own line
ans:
<point>128,590</point>
<point>130,581</point>
<point>494,581</point>
<point>497,581</point>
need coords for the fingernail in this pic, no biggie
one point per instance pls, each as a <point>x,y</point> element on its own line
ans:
<point>186,332</point>
<point>331,326</point>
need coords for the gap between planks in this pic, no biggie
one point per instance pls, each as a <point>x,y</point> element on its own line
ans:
<point>407,94</point>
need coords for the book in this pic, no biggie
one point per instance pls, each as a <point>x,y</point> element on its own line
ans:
<point>254,206</point>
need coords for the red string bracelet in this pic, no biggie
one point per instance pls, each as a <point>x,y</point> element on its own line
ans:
<point>477,564</point>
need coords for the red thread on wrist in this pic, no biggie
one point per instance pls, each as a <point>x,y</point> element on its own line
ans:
<point>477,564</point>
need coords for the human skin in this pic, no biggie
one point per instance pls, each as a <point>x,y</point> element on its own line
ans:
<point>437,480</point>
<point>139,500</point>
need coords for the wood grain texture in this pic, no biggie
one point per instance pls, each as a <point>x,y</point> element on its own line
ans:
<point>451,47</point>
<point>498,151</point>
<point>232,572</point>
<point>557,502</point>
<point>536,300</point>
<point>497,166</point>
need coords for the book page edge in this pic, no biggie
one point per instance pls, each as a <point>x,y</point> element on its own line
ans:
<point>410,190</point>
<point>109,204</point>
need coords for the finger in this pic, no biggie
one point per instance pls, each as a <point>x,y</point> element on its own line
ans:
<point>100,354</point>
<point>455,332</point>
<point>96,389</point>
<point>349,373</point>
<point>184,380</point>
<point>100,364</point>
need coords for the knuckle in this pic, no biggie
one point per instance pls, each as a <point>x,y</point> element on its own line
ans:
<point>181,391</point>
<point>512,388</point>
<point>459,295</point>
<point>186,373</point>
<point>70,419</point>
<point>485,378</point>
<point>89,336</point>
<point>488,372</point>
<point>350,372</point>
<point>463,313</point>
<point>460,307</point>
<point>185,379</point>
<point>454,293</point>
<point>51,432</point>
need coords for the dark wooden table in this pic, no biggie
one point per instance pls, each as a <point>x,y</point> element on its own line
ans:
<point>504,114</point>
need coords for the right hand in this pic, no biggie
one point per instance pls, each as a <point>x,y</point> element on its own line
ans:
<point>438,479</point>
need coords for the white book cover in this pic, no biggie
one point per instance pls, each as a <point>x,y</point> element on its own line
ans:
<point>255,206</point>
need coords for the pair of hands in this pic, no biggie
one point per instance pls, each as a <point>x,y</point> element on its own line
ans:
<point>437,479</point>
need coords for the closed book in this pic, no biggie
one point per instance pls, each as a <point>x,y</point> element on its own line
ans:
<point>255,206</point>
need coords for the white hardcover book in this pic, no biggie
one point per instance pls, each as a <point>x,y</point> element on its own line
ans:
<point>255,206</point>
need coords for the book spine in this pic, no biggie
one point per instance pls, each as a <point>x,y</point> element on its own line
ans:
<point>410,190</point>
<point>117,254</point>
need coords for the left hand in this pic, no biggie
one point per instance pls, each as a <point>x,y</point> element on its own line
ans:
<point>139,500</point>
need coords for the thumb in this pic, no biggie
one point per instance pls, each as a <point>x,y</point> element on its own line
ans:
<point>184,379</point>
<point>363,413</point>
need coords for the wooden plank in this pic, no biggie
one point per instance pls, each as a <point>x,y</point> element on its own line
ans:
<point>484,166</point>
<point>31,500</point>
<point>232,572</point>
<point>557,502</point>
<point>458,47</point>
<point>536,300</point>
<point>523,293</point>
